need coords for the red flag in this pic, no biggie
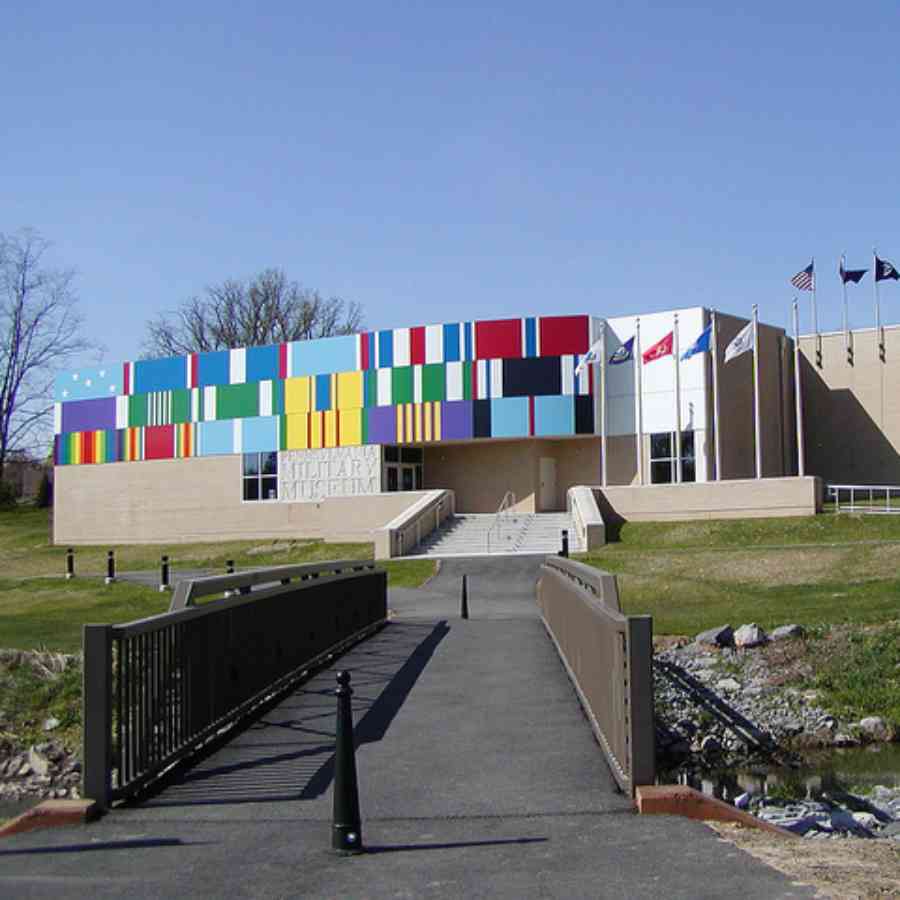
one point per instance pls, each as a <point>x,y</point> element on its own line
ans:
<point>661,348</point>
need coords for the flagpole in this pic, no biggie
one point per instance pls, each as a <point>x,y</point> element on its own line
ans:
<point>756,390</point>
<point>715,386</point>
<point>639,436</point>
<point>846,314</point>
<point>798,396</point>
<point>877,305</point>
<point>603,419</point>
<point>677,402</point>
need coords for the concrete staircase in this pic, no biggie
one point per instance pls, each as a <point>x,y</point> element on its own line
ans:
<point>479,534</point>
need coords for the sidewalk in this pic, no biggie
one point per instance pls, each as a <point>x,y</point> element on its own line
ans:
<point>479,777</point>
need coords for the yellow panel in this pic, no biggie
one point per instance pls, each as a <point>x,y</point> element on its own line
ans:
<point>427,413</point>
<point>349,390</point>
<point>330,428</point>
<point>315,431</point>
<point>298,432</point>
<point>408,412</point>
<point>418,414</point>
<point>351,427</point>
<point>297,394</point>
<point>437,420</point>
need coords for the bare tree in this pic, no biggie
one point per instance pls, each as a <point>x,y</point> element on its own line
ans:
<point>39,331</point>
<point>267,309</point>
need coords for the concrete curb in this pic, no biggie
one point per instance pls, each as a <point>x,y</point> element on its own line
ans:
<point>50,814</point>
<point>678,800</point>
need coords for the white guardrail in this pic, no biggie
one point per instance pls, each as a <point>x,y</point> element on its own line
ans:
<point>880,499</point>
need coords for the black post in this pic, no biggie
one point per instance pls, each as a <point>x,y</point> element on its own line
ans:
<point>164,574</point>
<point>229,570</point>
<point>70,563</point>
<point>464,605</point>
<point>110,566</point>
<point>346,829</point>
<point>565,542</point>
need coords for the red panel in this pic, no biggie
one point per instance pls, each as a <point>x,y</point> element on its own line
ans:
<point>417,346</point>
<point>159,442</point>
<point>282,361</point>
<point>126,381</point>
<point>499,339</point>
<point>563,334</point>
<point>363,351</point>
<point>87,446</point>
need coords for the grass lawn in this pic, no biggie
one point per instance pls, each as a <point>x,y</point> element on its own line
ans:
<point>39,609</point>
<point>819,570</point>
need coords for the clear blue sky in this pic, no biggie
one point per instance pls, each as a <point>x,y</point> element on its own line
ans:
<point>451,161</point>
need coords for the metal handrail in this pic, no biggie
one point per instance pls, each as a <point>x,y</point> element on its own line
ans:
<point>863,498</point>
<point>508,501</point>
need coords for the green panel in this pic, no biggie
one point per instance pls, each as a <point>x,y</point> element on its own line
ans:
<point>282,426</point>
<point>364,437</point>
<point>181,405</point>
<point>371,389</point>
<point>433,381</point>
<point>401,384</point>
<point>467,380</point>
<point>137,410</point>
<point>237,401</point>
<point>278,398</point>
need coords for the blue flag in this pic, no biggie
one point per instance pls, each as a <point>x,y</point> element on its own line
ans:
<point>701,345</point>
<point>624,353</point>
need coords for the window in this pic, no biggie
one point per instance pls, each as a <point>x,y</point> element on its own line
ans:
<point>260,476</point>
<point>663,462</point>
<point>403,467</point>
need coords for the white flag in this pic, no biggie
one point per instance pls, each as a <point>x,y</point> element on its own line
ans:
<point>743,341</point>
<point>590,357</point>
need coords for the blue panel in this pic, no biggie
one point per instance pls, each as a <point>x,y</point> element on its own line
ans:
<point>334,354</point>
<point>530,337</point>
<point>216,438</point>
<point>213,368</point>
<point>385,349</point>
<point>554,415</point>
<point>262,363</point>
<point>467,328</point>
<point>509,417</point>
<point>260,434</point>
<point>323,392</point>
<point>451,343</point>
<point>159,375</point>
<point>91,384</point>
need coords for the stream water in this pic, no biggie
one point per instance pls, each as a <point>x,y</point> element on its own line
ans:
<point>853,770</point>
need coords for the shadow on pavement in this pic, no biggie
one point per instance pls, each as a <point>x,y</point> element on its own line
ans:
<point>456,845</point>
<point>287,753</point>
<point>133,844</point>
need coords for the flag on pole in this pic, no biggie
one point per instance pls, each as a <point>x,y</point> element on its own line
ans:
<point>854,275</point>
<point>885,271</point>
<point>701,345</point>
<point>663,347</point>
<point>805,280</point>
<point>624,353</point>
<point>590,357</point>
<point>741,343</point>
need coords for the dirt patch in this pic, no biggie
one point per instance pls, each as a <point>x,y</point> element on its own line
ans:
<point>844,870</point>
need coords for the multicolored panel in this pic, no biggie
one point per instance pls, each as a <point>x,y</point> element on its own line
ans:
<point>418,423</point>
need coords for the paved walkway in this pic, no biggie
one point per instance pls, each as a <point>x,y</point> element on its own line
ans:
<point>478,778</point>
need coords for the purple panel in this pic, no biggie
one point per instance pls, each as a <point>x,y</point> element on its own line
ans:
<point>382,425</point>
<point>89,415</point>
<point>456,420</point>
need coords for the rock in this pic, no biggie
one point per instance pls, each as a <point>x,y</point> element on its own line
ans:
<point>891,831</point>
<point>875,728</point>
<point>728,685</point>
<point>784,632</point>
<point>750,636</point>
<point>51,723</point>
<point>39,763</point>
<point>723,636</point>
<point>742,801</point>
<point>845,740</point>
<point>867,820</point>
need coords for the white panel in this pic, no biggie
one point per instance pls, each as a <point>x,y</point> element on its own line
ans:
<point>130,377</point>
<point>496,377</point>
<point>237,424</point>
<point>434,343</point>
<point>57,415</point>
<point>417,384</point>
<point>401,346</point>
<point>237,366</point>
<point>454,378</point>
<point>482,378</point>
<point>187,372</point>
<point>265,398</point>
<point>121,412</point>
<point>209,403</point>
<point>567,363</point>
<point>384,387</point>
<point>195,404</point>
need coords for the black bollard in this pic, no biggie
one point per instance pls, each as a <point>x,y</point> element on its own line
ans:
<point>565,542</point>
<point>464,605</point>
<point>346,828</point>
<point>229,570</point>
<point>70,563</point>
<point>164,574</point>
<point>110,566</point>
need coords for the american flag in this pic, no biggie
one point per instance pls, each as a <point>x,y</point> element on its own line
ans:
<point>805,280</point>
